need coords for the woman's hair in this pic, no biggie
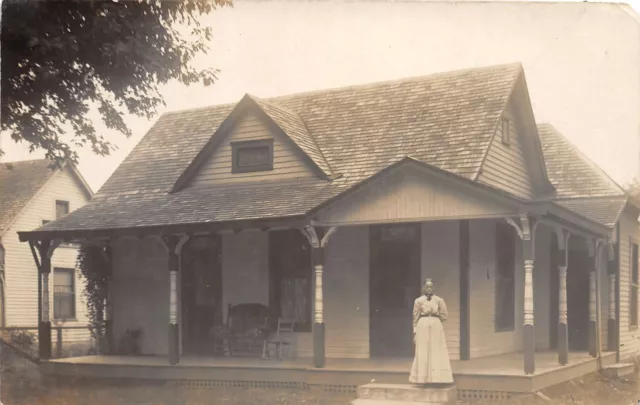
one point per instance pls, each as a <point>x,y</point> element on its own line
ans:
<point>425,288</point>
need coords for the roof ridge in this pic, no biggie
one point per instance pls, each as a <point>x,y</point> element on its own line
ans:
<point>584,157</point>
<point>409,79</point>
<point>354,86</point>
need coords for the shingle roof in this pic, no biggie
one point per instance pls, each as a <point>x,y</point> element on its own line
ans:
<point>581,186</point>
<point>19,182</point>
<point>293,125</point>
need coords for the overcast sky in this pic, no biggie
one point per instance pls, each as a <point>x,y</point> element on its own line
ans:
<point>581,61</point>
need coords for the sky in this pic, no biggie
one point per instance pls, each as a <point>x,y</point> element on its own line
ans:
<point>581,61</point>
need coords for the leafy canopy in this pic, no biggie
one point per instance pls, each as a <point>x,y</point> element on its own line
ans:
<point>63,58</point>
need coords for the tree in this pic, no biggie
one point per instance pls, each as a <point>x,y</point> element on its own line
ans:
<point>633,188</point>
<point>61,59</point>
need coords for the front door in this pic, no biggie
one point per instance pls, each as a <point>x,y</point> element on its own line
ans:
<point>201,294</point>
<point>395,282</point>
<point>578,300</point>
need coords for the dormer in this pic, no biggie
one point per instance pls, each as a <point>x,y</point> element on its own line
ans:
<point>258,141</point>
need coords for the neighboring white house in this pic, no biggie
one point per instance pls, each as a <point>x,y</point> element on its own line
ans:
<point>31,194</point>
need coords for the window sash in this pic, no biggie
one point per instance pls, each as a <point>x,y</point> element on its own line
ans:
<point>62,208</point>
<point>64,294</point>
<point>505,298</point>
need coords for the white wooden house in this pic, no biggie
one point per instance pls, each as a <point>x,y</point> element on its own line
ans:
<point>32,193</point>
<point>333,206</point>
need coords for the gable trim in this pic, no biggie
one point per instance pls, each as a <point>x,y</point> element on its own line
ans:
<point>220,134</point>
<point>485,191</point>
<point>546,185</point>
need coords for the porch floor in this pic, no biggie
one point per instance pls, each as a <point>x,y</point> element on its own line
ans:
<point>501,373</point>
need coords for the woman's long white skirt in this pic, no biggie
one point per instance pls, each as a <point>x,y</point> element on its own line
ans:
<point>431,364</point>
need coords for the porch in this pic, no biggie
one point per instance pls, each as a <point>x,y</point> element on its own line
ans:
<point>493,376</point>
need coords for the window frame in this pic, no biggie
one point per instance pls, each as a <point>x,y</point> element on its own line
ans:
<point>55,212</point>
<point>634,268</point>
<point>73,316</point>
<point>506,135</point>
<point>500,324</point>
<point>236,147</point>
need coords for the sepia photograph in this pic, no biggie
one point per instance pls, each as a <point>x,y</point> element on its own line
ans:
<point>318,202</point>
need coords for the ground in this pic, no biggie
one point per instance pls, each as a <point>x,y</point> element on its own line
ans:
<point>22,385</point>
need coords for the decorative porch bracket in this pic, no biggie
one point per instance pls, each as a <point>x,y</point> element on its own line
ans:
<point>318,244</point>
<point>612,265</point>
<point>526,230</point>
<point>174,244</point>
<point>563,236</point>
<point>42,257</point>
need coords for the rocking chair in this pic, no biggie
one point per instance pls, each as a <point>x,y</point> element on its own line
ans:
<point>283,337</point>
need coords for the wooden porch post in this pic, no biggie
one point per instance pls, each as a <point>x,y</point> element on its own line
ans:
<point>611,323</point>
<point>108,306</point>
<point>318,246</point>
<point>526,230</point>
<point>563,330</point>
<point>171,243</point>
<point>43,263</point>
<point>592,331</point>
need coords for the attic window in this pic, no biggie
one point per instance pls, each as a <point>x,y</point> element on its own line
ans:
<point>252,156</point>
<point>506,131</point>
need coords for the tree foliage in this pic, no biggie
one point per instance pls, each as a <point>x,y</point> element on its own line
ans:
<point>633,188</point>
<point>63,58</point>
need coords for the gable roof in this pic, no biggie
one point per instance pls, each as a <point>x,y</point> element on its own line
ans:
<point>444,120</point>
<point>581,185</point>
<point>19,183</point>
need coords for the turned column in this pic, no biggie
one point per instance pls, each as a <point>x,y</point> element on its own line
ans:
<point>592,331</point>
<point>526,230</point>
<point>171,243</point>
<point>563,263</point>
<point>611,323</point>
<point>318,245</point>
<point>108,304</point>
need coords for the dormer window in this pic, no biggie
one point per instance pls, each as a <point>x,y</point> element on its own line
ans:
<point>252,156</point>
<point>506,131</point>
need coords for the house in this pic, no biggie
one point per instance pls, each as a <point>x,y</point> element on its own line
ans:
<point>332,207</point>
<point>32,193</point>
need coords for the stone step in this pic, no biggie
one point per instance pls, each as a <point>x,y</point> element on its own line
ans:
<point>390,394</point>
<point>619,370</point>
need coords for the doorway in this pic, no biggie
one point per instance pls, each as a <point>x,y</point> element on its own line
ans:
<point>395,282</point>
<point>201,294</point>
<point>577,298</point>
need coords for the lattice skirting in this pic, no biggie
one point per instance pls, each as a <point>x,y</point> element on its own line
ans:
<point>264,384</point>
<point>478,394</point>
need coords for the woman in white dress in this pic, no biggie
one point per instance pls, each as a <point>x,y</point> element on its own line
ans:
<point>431,364</point>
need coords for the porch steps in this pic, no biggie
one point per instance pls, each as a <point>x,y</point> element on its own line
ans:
<point>619,370</point>
<point>404,394</point>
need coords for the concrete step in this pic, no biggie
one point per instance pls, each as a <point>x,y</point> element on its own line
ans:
<point>396,394</point>
<point>619,370</point>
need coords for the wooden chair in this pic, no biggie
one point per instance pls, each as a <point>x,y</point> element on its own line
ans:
<point>282,338</point>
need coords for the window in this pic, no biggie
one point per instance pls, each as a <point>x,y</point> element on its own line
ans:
<point>252,156</point>
<point>45,221</point>
<point>506,131</point>
<point>64,294</point>
<point>290,277</point>
<point>633,304</point>
<point>505,278</point>
<point>62,208</point>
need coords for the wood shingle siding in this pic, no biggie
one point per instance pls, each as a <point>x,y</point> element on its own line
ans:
<point>287,162</point>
